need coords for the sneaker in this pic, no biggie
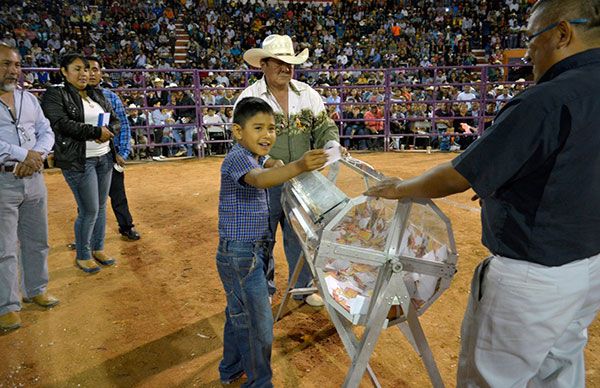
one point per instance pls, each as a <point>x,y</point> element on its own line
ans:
<point>180,153</point>
<point>314,300</point>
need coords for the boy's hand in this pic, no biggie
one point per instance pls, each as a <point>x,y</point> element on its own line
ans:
<point>313,159</point>
<point>273,163</point>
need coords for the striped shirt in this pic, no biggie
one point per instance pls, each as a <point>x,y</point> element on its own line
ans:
<point>122,140</point>
<point>243,209</point>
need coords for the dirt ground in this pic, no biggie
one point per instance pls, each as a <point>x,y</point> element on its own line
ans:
<point>156,319</point>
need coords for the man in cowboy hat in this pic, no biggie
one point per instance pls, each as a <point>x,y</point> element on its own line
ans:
<point>301,118</point>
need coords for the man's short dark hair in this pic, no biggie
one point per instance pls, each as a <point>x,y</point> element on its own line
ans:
<point>248,107</point>
<point>552,11</point>
<point>95,59</point>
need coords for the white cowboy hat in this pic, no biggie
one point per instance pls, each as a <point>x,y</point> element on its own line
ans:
<point>278,47</point>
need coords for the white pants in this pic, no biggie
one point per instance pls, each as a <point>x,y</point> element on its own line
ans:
<point>526,324</point>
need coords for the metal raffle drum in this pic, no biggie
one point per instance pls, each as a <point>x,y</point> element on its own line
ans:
<point>379,263</point>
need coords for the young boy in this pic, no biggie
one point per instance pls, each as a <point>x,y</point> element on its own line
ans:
<point>245,240</point>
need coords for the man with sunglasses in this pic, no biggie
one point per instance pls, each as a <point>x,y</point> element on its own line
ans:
<point>537,173</point>
<point>25,140</point>
<point>301,121</point>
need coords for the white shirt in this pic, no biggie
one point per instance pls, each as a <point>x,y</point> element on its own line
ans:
<point>300,96</point>
<point>214,119</point>
<point>91,111</point>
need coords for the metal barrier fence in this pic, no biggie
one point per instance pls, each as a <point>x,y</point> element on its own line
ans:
<point>408,108</point>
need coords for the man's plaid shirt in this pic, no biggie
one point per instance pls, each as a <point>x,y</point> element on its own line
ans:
<point>122,140</point>
<point>243,209</point>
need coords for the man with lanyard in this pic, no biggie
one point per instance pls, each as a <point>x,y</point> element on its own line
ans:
<point>25,140</point>
<point>301,120</point>
<point>118,197</point>
<point>537,173</point>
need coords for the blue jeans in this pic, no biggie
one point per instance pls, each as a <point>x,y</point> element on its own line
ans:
<point>358,131</point>
<point>23,239</point>
<point>90,188</point>
<point>248,333</point>
<point>189,137</point>
<point>291,245</point>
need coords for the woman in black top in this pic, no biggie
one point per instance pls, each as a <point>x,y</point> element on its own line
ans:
<point>85,153</point>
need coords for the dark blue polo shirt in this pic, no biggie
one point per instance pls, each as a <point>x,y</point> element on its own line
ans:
<point>537,168</point>
<point>243,209</point>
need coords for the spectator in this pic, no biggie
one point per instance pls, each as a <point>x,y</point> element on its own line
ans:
<point>215,130</point>
<point>23,197</point>
<point>118,196</point>
<point>138,135</point>
<point>374,124</point>
<point>85,153</point>
<point>184,115</point>
<point>463,124</point>
<point>355,127</point>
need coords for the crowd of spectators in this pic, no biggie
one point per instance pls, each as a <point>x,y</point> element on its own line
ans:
<point>360,34</point>
<point>346,35</point>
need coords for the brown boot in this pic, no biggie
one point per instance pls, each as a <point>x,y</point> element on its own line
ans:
<point>44,300</point>
<point>10,321</point>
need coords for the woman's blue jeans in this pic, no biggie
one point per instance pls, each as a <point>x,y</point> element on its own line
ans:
<point>90,188</point>
<point>248,333</point>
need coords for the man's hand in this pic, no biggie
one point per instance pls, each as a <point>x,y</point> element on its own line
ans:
<point>33,160</point>
<point>313,159</point>
<point>105,135</point>
<point>22,171</point>
<point>120,161</point>
<point>387,188</point>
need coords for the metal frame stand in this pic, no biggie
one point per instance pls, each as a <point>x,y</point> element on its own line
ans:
<point>291,291</point>
<point>389,292</point>
<point>360,350</point>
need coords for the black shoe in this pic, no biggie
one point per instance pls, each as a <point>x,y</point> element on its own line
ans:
<point>130,235</point>
<point>72,246</point>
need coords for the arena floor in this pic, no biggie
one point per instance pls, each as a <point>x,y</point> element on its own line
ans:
<point>156,319</point>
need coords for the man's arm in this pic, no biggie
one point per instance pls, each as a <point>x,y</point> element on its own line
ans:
<point>438,182</point>
<point>124,136</point>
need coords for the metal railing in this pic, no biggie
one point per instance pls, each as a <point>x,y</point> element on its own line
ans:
<point>407,101</point>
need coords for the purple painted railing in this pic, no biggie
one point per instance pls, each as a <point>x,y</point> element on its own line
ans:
<point>420,82</point>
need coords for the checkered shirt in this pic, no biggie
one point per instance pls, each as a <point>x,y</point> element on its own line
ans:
<point>122,140</point>
<point>243,209</point>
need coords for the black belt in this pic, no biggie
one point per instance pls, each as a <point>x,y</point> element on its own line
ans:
<point>4,168</point>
